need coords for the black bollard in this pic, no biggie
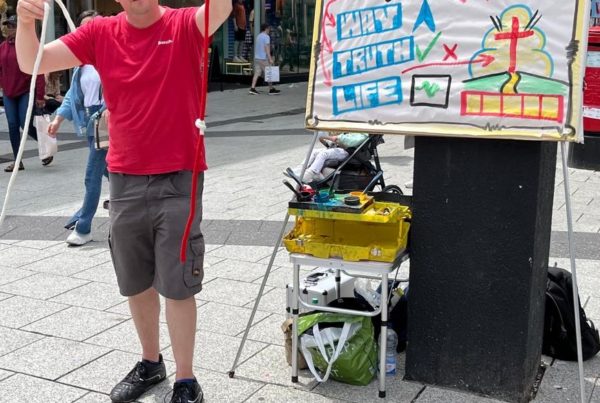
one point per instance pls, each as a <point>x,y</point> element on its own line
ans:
<point>482,213</point>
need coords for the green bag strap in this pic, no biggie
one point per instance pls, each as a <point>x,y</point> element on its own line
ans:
<point>321,346</point>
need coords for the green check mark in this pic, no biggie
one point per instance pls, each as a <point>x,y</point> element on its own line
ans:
<point>422,55</point>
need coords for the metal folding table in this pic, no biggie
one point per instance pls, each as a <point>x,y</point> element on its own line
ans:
<point>363,269</point>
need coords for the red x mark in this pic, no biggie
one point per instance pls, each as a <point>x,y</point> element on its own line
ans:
<point>450,52</point>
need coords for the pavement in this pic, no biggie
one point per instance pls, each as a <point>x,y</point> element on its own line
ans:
<point>66,334</point>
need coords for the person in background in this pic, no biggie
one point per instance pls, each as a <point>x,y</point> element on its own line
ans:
<point>239,25</point>
<point>262,59</point>
<point>336,150</point>
<point>53,96</point>
<point>84,100</point>
<point>15,87</point>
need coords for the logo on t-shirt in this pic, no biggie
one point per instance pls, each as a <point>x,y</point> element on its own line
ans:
<point>167,42</point>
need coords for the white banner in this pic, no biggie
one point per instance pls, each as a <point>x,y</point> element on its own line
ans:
<point>501,69</point>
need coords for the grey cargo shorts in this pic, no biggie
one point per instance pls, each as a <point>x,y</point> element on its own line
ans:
<point>148,214</point>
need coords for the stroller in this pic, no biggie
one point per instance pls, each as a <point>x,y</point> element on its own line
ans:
<point>361,170</point>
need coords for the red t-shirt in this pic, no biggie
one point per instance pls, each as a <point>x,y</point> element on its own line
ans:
<point>151,82</point>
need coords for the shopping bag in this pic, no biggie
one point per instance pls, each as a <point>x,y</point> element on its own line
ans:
<point>272,74</point>
<point>47,145</point>
<point>100,132</point>
<point>339,345</point>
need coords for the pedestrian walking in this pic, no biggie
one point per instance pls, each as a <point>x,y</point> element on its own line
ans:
<point>15,86</point>
<point>81,103</point>
<point>262,59</point>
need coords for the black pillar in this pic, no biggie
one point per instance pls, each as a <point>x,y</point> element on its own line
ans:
<point>482,213</point>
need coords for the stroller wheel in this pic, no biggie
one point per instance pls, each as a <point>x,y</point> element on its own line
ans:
<point>393,189</point>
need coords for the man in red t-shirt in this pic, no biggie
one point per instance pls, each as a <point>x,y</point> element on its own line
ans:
<point>149,61</point>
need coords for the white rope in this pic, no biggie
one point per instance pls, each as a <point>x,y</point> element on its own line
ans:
<point>201,125</point>
<point>34,74</point>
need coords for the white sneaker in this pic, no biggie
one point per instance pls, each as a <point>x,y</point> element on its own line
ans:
<point>408,185</point>
<point>244,60</point>
<point>310,176</point>
<point>78,239</point>
<point>237,60</point>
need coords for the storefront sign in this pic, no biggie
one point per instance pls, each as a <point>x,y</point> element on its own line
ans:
<point>501,69</point>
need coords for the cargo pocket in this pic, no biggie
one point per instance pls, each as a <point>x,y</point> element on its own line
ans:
<point>193,272</point>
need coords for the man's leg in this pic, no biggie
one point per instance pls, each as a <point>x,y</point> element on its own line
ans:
<point>257,73</point>
<point>145,310</point>
<point>23,101</point>
<point>181,319</point>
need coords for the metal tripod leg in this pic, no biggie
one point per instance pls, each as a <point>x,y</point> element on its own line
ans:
<point>573,269</point>
<point>259,296</point>
<point>269,267</point>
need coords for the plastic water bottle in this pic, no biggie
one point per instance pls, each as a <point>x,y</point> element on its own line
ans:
<point>390,353</point>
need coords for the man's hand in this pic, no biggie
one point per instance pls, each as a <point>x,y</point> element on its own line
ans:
<point>40,103</point>
<point>54,126</point>
<point>30,10</point>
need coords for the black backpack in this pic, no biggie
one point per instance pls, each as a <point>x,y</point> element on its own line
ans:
<point>560,340</point>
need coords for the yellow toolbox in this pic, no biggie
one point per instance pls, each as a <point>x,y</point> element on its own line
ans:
<point>377,234</point>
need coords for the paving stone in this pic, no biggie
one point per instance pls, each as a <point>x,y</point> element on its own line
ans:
<point>51,357</point>
<point>124,337</point>
<point>239,270</point>
<point>225,319</point>
<point>10,274</point>
<point>216,352</point>
<point>93,295</point>
<point>229,291</point>
<point>76,323</point>
<point>280,277</point>
<point>94,398</point>
<point>4,296</point>
<point>103,273</point>
<point>5,374</point>
<point>211,268</point>
<point>16,256</point>
<point>19,311</point>
<point>63,264</point>
<point>561,381</point>
<point>439,395</point>
<point>103,374</point>
<point>267,330</point>
<point>273,301</point>
<point>27,389</point>
<point>13,339</point>
<point>246,253</point>
<point>397,390</point>
<point>270,366</point>
<point>217,387</point>
<point>42,286</point>
<point>37,244</point>
<point>276,394</point>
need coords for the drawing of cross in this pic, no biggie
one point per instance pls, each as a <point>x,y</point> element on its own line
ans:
<point>514,35</point>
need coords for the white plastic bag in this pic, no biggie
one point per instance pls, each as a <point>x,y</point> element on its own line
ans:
<point>47,145</point>
<point>272,74</point>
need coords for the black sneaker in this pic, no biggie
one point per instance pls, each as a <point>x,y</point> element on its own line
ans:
<point>274,91</point>
<point>187,392</point>
<point>141,378</point>
<point>252,91</point>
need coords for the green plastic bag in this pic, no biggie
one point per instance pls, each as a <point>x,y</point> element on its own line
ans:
<point>339,345</point>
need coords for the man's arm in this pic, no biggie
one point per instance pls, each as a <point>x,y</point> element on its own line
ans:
<point>57,55</point>
<point>219,12</point>
<point>268,52</point>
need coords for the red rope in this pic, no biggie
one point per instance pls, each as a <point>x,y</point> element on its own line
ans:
<point>198,158</point>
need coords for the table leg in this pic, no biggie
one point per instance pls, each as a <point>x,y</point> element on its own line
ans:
<point>338,280</point>
<point>383,335</point>
<point>295,323</point>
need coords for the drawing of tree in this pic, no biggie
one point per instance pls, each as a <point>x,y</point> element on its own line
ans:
<point>517,45</point>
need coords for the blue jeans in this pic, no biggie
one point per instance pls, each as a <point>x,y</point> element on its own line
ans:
<point>96,168</point>
<point>16,109</point>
